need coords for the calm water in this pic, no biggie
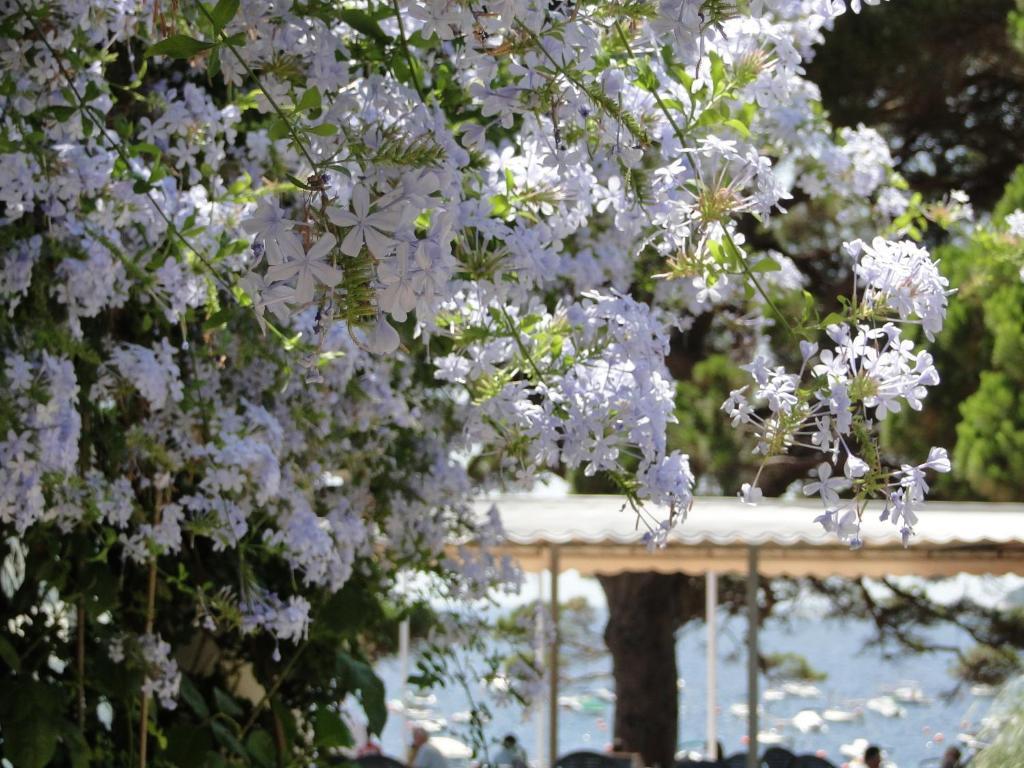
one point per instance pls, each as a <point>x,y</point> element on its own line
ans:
<point>836,647</point>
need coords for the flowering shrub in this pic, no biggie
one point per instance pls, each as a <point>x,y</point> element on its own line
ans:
<point>287,284</point>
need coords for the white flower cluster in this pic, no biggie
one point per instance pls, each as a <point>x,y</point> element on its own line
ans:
<point>163,678</point>
<point>46,440</point>
<point>284,619</point>
<point>865,372</point>
<point>1015,223</point>
<point>454,297</point>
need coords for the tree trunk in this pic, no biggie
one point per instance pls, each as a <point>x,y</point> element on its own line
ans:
<point>644,612</point>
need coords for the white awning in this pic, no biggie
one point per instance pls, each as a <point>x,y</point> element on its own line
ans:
<point>600,534</point>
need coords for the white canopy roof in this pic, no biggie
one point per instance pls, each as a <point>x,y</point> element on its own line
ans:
<point>600,534</point>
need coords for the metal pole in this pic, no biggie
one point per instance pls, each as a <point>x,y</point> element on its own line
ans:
<point>752,655</point>
<point>539,643</point>
<point>711,616</point>
<point>553,662</point>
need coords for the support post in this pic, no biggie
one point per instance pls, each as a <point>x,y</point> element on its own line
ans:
<point>711,620</point>
<point>539,648</point>
<point>753,758</point>
<point>555,566</point>
<point>403,673</point>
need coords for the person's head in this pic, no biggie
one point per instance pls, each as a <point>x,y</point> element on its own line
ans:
<point>952,758</point>
<point>419,736</point>
<point>872,757</point>
<point>509,741</point>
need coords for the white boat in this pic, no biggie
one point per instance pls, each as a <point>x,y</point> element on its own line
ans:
<point>499,684</point>
<point>571,703</point>
<point>911,694</point>
<point>886,706</point>
<point>416,713</point>
<point>771,738</point>
<point>855,749</point>
<point>396,706</point>
<point>421,701</point>
<point>740,709</point>
<point>807,720</point>
<point>461,718</point>
<point>604,694</point>
<point>451,748</point>
<point>592,705</point>
<point>839,715</point>
<point>983,691</point>
<point>774,694</point>
<point>680,684</point>
<point>431,725</point>
<point>801,690</point>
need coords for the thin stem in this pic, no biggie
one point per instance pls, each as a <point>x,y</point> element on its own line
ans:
<point>657,96</point>
<point>150,615</point>
<point>273,689</point>
<point>144,715</point>
<point>522,347</point>
<point>116,145</point>
<point>753,278</point>
<point>408,55</point>
<point>577,82</point>
<point>264,91</point>
<point>80,661</point>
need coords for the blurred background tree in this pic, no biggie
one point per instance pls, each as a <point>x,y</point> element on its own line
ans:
<point>942,80</point>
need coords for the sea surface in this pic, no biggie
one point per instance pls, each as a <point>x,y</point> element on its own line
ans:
<point>845,650</point>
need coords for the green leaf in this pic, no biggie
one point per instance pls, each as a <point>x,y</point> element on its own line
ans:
<point>500,206</point>
<point>718,74</point>
<point>228,739</point>
<point>226,703</point>
<point>216,320</point>
<point>144,148</point>
<point>223,13</point>
<point>213,65</point>
<point>359,676</point>
<point>187,745</point>
<point>739,126</point>
<point>324,129</point>
<point>30,728</point>
<point>298,182</point>
<point>362,22</point>
<point>78,747</point>
<point>179,47</point>
<point>214,760</point>
<point>330,729</point>
<point>278,130</point>
<point>646,78</point>
<point>193,697</point>
<point>30,746</point>
<point>261,749</point>
<point>309,100</point>
<point>766,264</point>
<point>9,655</point>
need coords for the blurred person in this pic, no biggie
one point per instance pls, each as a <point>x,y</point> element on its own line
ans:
<point>951,758</point>
<point>510,753</point>
<point>873,757</point>
<point>425,754</point>
<point>618,748</point>
<point>371,747</point>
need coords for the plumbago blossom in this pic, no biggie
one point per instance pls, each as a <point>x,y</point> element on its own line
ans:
<point>285,286</point>
<point>866,370</point>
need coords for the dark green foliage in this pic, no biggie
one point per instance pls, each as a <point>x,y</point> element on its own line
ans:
<point>977,410</point>
<point>937,77</point>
